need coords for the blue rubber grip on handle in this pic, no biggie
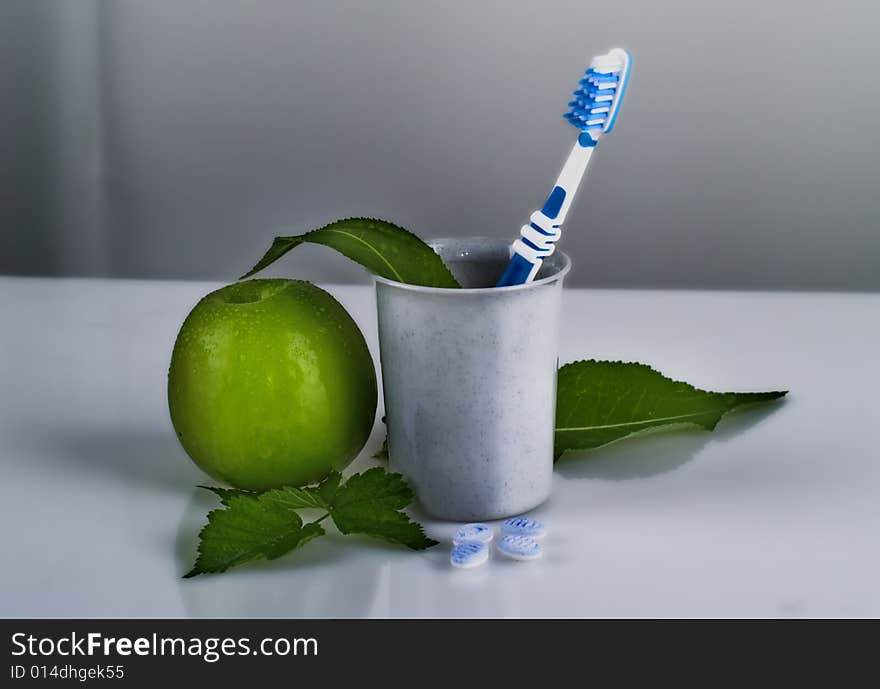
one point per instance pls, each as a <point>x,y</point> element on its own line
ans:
<point>517,272</point>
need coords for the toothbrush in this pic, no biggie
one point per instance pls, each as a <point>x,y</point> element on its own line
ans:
<point>593,111</point>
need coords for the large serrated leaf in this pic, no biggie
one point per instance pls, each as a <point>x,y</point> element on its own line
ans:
<point>370,503</point>
<point>253,526</point>
<point>381,247</point>
<point>598,402</point>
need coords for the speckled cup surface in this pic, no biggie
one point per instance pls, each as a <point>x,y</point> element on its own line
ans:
<point>469,379</point>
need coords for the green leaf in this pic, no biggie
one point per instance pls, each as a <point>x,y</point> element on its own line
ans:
<point>598,402</point>
<point>369,503</point>
<point>295,498</point>
<point>225,494</point>
<point>326,490</point>
<point>288,497</point>
<point>381,247</point>
<point>317,497</point>
<point>266,525</point>
<point>253,526</point>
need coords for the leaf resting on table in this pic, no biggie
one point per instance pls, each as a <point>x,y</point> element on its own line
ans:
<point>369,503</point>
<point>253,526</point>
<point>327,488</point>
<point>598,402</point>
<point>379,246</point>
<point>266,525</point>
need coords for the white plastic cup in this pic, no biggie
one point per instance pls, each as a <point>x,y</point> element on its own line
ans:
<point>469,378</point>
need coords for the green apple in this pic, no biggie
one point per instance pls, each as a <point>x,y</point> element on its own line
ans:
<point>270,384</point>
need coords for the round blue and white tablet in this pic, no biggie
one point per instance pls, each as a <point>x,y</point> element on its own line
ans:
<point>523,526</point>
<point>473,532</point>
<point>469,554</point>
<point>520,547</point>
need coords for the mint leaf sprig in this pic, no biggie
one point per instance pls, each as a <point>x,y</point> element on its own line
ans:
<point>266,525</point>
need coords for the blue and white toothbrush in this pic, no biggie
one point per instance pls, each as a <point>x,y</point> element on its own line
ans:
<point>593,111</point>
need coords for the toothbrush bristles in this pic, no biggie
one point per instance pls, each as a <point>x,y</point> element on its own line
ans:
<point>595,94</point>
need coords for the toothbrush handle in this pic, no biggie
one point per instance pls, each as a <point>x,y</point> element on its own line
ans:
<point>519,271</point>
<point>538,239</point>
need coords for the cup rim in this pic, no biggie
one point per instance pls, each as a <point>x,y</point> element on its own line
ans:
<point>558,275</point>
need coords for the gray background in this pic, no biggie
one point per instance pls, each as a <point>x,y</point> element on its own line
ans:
<point>174,138</point>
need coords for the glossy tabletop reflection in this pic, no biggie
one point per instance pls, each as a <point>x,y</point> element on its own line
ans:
<point>777,513</point>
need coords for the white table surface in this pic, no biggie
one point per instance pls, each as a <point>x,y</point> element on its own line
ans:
<point>777,513</point>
